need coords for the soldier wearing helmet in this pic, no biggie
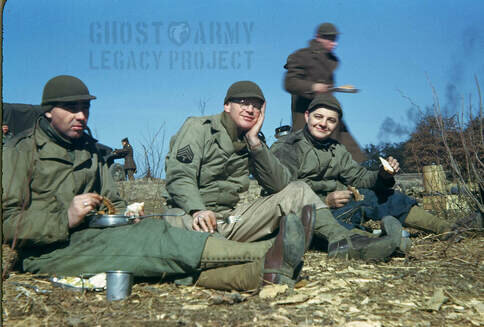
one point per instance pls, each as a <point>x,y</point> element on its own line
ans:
<point>66,102</point>
<point>58,150</point>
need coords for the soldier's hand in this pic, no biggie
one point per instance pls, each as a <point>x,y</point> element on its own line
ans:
<point>252,134</point>
<point>338,199</point>
<point>80,206</point>
<point>320,88</point>
<point>385,173</point>
<point>394,163</point>
<point>205,221</point>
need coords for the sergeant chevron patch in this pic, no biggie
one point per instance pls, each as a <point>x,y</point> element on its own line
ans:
<point>185,154</point>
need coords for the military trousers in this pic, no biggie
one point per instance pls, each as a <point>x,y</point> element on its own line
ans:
<point>260,218</point>
<point>129,174</point>
<point>374,206</point>
<point>153,248</point>
<point>149,248</point>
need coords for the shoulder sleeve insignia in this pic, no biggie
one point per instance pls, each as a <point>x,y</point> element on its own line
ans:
<point>185,154</point>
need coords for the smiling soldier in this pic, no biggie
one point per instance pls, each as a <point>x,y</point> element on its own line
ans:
<point>208,167</point>
<point>313,156</point>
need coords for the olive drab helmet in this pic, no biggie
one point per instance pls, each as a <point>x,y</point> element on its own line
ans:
<point>244,89</point>
<point>65,88</point>
<point>326,29</point>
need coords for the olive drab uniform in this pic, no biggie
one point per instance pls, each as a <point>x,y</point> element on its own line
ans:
<point>42,172</point>
<point>204,171</point>
<point>304,68</point>
<point>327,166</point>
<point>207,170</point>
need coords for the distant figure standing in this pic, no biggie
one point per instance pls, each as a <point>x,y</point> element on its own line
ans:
<point>7,134</point>
<point>310,71</point>
<point>127,153</point>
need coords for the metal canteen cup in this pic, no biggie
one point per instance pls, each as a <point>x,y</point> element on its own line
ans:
<point>118,284</point>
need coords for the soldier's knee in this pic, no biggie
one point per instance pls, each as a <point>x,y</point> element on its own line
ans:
<point>298,188</point>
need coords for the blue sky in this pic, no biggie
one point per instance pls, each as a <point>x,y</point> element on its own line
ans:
<point>145,73</point>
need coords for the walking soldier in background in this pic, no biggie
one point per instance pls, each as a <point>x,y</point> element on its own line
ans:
<point>310,71</point>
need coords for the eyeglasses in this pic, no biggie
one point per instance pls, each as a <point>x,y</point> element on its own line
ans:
<point>246,102</point>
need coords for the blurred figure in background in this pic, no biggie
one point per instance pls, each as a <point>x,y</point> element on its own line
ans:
<point>310,71</point>
<point>127,153</point>
<point>7,134</point>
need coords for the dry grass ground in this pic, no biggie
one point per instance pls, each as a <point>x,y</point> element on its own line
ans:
<point>438,283</point>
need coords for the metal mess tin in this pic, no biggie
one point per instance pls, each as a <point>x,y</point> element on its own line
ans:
<point>102,221</point>
<point>345,89</point>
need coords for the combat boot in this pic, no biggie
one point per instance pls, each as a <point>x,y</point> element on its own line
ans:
<point>230,265</point>
<point>308,219</point>
<point>418,218</point>
<point>357,246</point>
<point>285,256</point>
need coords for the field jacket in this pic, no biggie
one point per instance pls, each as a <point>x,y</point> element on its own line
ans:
<point>204,172</point>
<point>325,166</point>
<point>40,179</point>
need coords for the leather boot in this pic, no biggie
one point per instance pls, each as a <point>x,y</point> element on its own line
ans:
<point>327,227</point>
<point>357,246</point>
<point>396,233</point>
<point>308,219</point>
<point>418,218</point>
<point>285,256</point>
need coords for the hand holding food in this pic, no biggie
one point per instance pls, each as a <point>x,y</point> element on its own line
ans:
<point>356,194</point>
<point>390,166</point>
<point>338,199</point>
<point>80,206</point>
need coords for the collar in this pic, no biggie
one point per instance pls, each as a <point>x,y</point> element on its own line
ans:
<point>238,141</point>
<point>323,145</point>
<point>51,145</point>
<point>222,135</point>
<point>57,138</point>
<point>230,127</point>
<point>317,47</point>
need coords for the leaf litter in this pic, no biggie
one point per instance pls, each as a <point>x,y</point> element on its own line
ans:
<point>438,283</point>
